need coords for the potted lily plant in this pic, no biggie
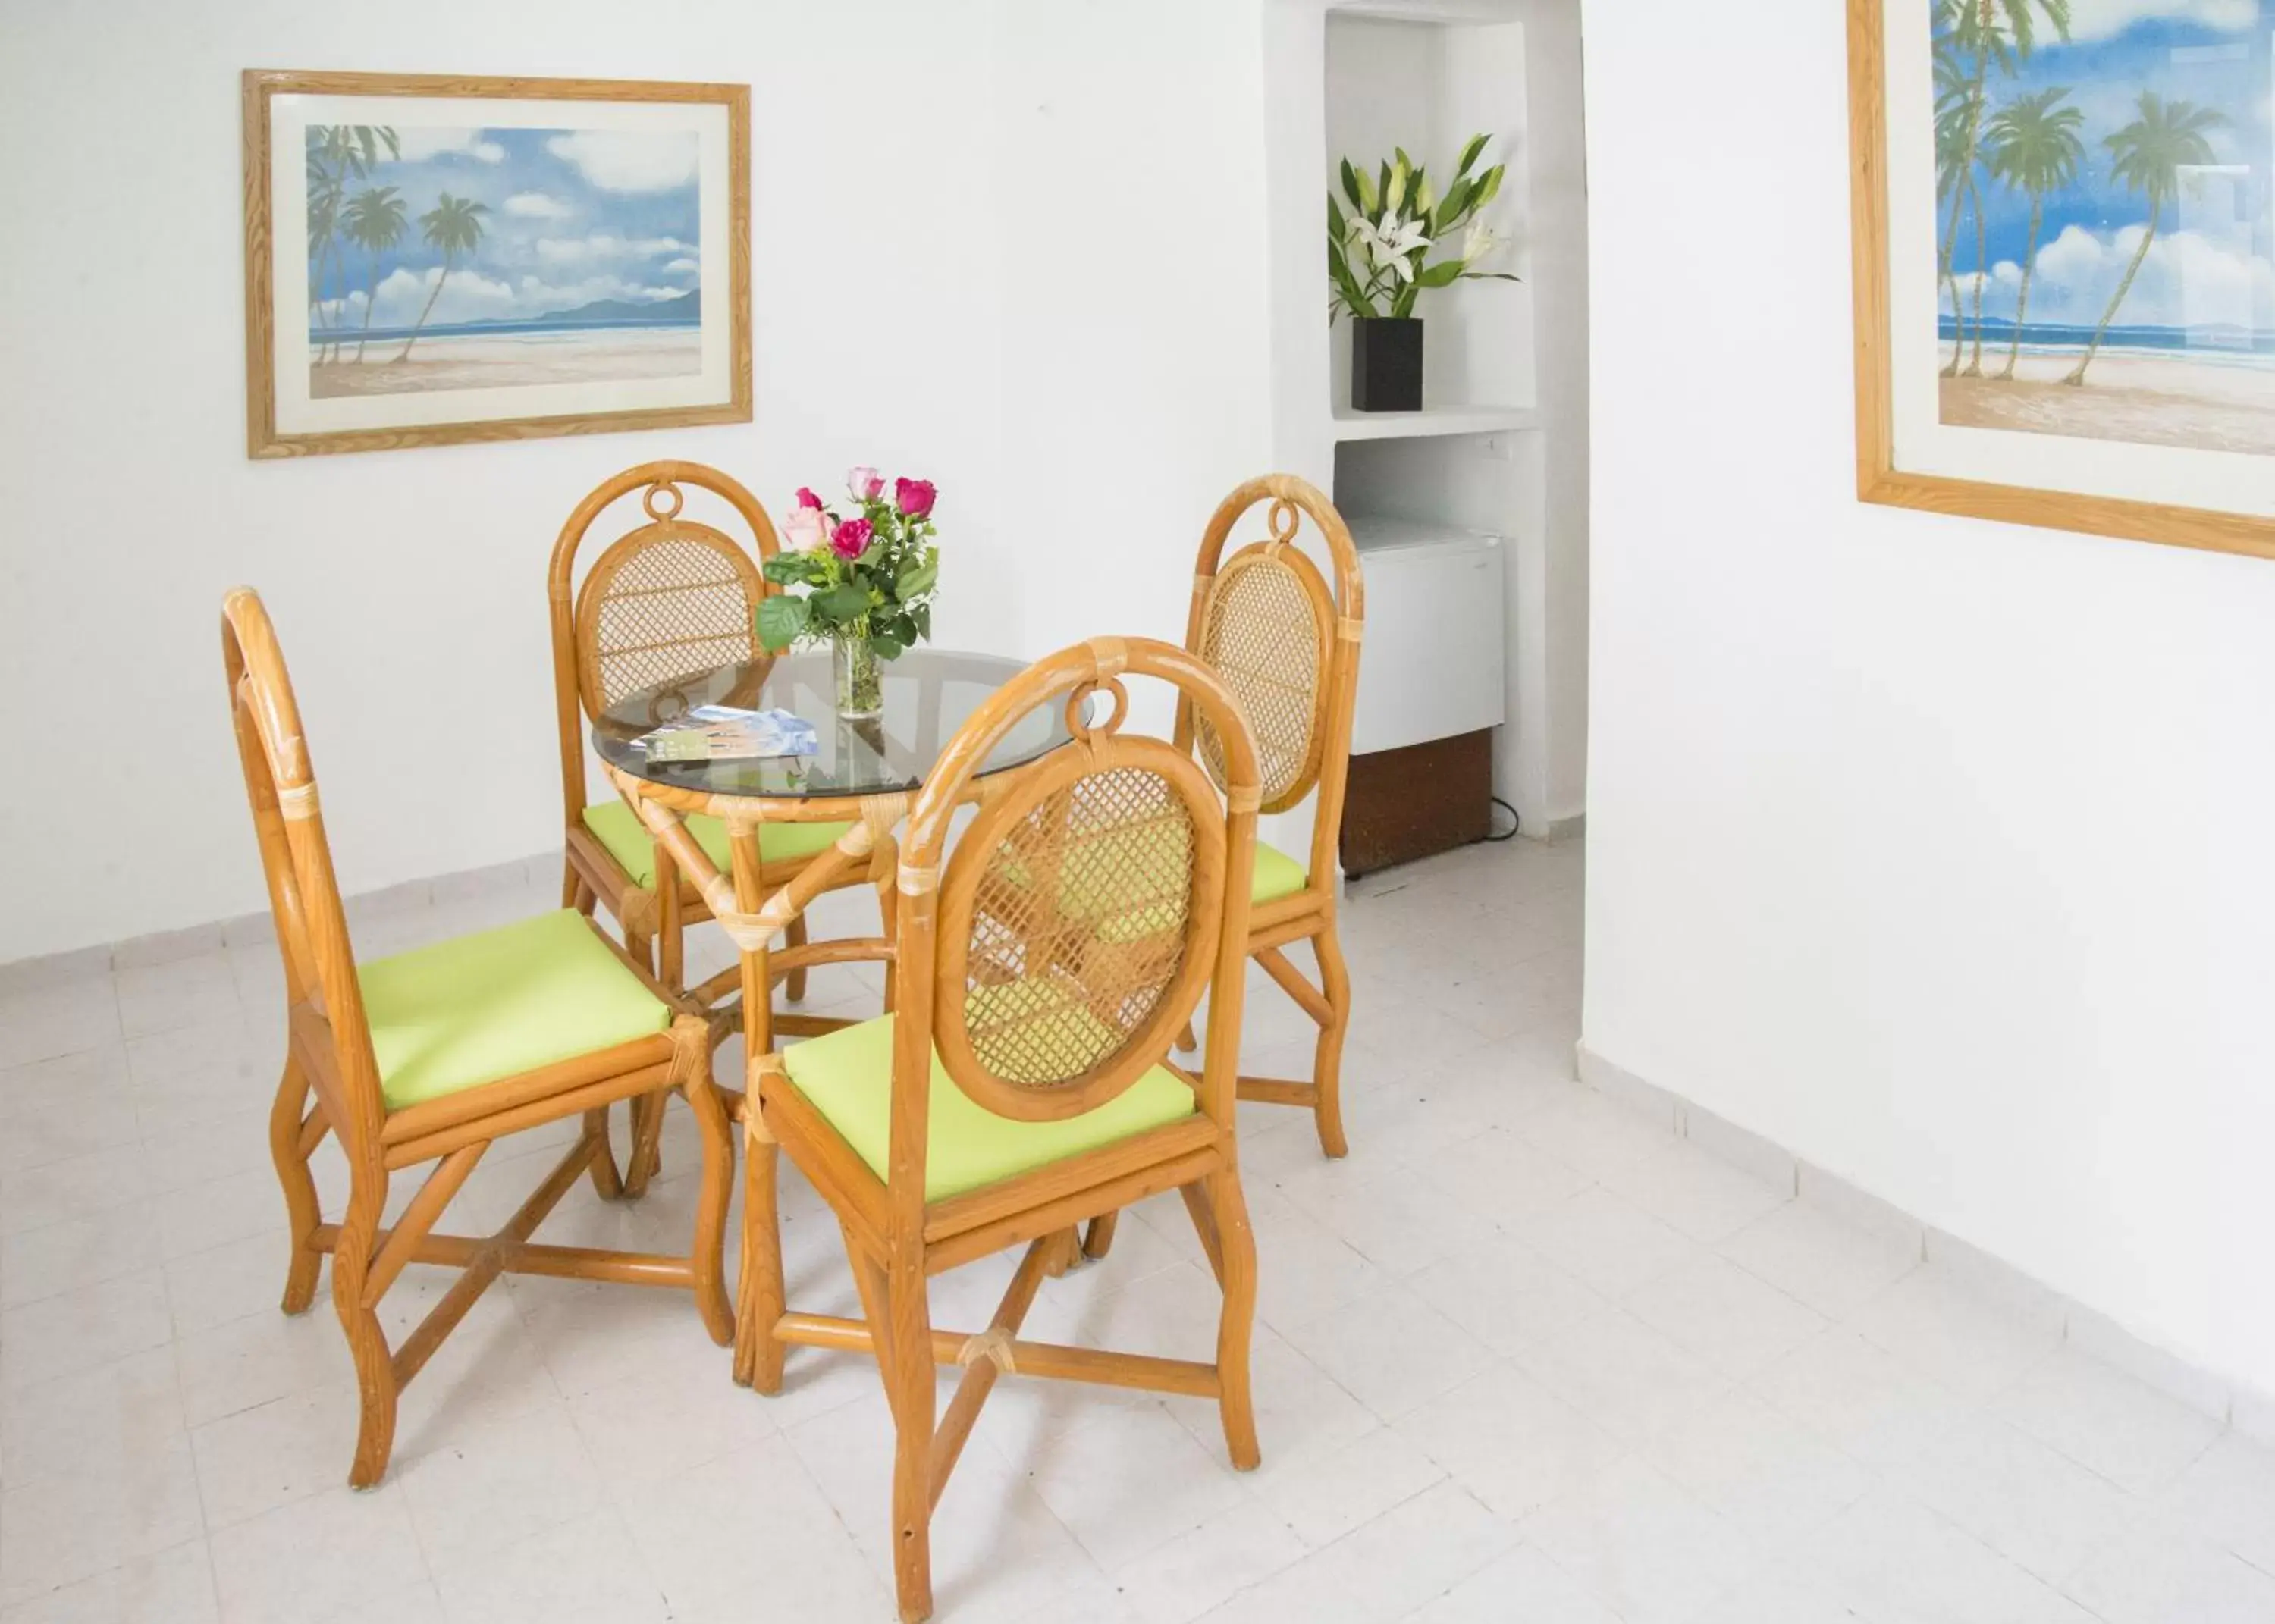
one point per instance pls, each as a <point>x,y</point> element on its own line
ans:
<point>1379,263</point>
<point>862,581</point>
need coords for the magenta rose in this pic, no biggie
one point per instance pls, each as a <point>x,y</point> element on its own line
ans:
<point>807,499</point>
<point>864,483</point>
<point>914,497</point>
<point>852,539</point>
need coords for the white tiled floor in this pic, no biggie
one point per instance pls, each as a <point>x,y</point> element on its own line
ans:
<point>1522,1357</point>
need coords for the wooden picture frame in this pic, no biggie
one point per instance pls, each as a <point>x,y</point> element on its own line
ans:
<point>596,257</point>
<point>1882,476</point>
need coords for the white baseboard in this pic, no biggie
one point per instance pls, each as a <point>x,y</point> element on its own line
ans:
<point>2094,1334</point>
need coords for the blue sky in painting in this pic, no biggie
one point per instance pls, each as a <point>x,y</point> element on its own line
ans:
<point>570,217</point>
<point>2210,263</point>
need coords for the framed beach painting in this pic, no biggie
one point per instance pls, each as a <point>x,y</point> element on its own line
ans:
<point>2065,263</point>
<point>433,260</point>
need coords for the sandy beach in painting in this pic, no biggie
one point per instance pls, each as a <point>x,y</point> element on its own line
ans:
<point>2143,399</point>
<point>507,360</point>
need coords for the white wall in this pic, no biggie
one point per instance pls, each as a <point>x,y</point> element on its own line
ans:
<point>1936,851</point>
<point>1011,244</point>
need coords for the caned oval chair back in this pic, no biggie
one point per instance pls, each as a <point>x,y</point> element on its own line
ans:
<point>1087,908</point>
<point>312,931</point>
<point>669,598</point>
<point>1286,644</point>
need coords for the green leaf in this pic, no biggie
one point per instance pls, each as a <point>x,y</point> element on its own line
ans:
<point>1451,208</point>
<point>1488,186</point>
<point>1337,227</point>
<point>780,621</point>
<point>1469,153</point>
<point>787,569</point>
<point>1441,275</point>
<point>918,579</point>
<point>846,602</point>
<point>903,629</point>
<point>1358,189</point>
<point>921,617</point>
<point>887,648</point>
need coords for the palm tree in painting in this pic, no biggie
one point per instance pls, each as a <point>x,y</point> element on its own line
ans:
<point>338,154</point>
<point>2147,155</point>
<point>2033,147</point>
<point>323,224</point>
<point>1954,100</point>
<point>454,225</point>
<point>2008,31</point>
<point>374,222</point>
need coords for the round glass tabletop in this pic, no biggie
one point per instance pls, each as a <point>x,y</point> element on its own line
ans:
<point>929,693</point>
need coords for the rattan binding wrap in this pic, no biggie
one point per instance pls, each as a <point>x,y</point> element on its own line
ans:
<point>1266,629</point>
<point>670,599</point>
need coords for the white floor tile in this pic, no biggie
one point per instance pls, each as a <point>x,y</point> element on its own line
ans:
<point>1641,1545</point>
<point>173,1587</point>
<point>2123,1429</point>
<point>1511,1443</point>
<point>2158,1576</point>
<point>1766,1474</point>
<point>1631,1380</point>
<point>1833,1267</point>
<point>2228,1498</point>
<point>1606,1242</point>
<point>1737,1322</point>
<point>1523,1584</point>
<point>318,1561</point>
<point>586,1571</point>
<point>1505,1294</point>
<point>1383,1571</point>
<point>1390,1351</point>
<point>1890,1558</point>
<point>1976,1346</point>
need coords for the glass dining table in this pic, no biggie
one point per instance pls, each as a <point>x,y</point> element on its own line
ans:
<point>864,775</point>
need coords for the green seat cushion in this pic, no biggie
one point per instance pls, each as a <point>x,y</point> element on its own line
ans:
<point>618,828</point>
<point>1277,875</point>
<point>469,1011</point>
<point>848,1075</point>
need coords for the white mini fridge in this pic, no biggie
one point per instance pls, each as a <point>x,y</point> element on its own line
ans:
<point>1431,691</point>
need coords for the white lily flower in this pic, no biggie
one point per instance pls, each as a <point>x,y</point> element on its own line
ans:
<point>1389,248</point>
<point>1478,242</point>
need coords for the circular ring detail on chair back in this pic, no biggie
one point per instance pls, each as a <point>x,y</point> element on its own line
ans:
<point>668,600</point>
<point>1268,629</point>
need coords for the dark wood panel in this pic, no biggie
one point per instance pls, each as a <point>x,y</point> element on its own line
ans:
<point>1407,803</point>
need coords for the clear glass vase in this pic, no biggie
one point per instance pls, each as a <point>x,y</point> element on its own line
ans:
<point>860,677</point>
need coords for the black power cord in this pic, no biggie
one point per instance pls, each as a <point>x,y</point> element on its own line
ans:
<point>1509,833</point>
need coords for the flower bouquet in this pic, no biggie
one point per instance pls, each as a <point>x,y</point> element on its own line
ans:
<point>1379,263</point>
<point>868,580</point>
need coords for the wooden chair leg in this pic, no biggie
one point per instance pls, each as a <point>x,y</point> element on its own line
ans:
<point>794,935</point>
<point>758,1351</point>
<point>574,892</point>
<point>1188,1040</point>
<point>1235,1252</point>
<point>1327,1061</point>
<point>1065,1251</point>
<point>1099,1240</point>
<point>707,1254</point>
<point>289,1133</point>
<point>607,1182</point>
<point>910,1385</point>
<point>645,1160</point>
<point>375,1362</point>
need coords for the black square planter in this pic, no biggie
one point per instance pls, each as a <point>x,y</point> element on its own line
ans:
<point>1386,364</point>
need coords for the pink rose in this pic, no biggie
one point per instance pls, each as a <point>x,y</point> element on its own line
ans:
<point>866,483</point>
<point>852,539</point>
<point>805,530</point>
<point>807,499</point>
<point>913,497</point>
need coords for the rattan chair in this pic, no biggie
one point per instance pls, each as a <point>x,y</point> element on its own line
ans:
<point>1024,1085</point>
<point>433,1056</point>
<point>1287,647</point>
<point>668,599</point>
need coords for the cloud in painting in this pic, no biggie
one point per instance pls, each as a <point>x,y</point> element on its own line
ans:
<point>538,206</point>
<point>629,160</point>
<point>422,142</point>
<point>469,296</point>
<point>2188,280</point>
<point>2103,19</point>
<point>605,245</point>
